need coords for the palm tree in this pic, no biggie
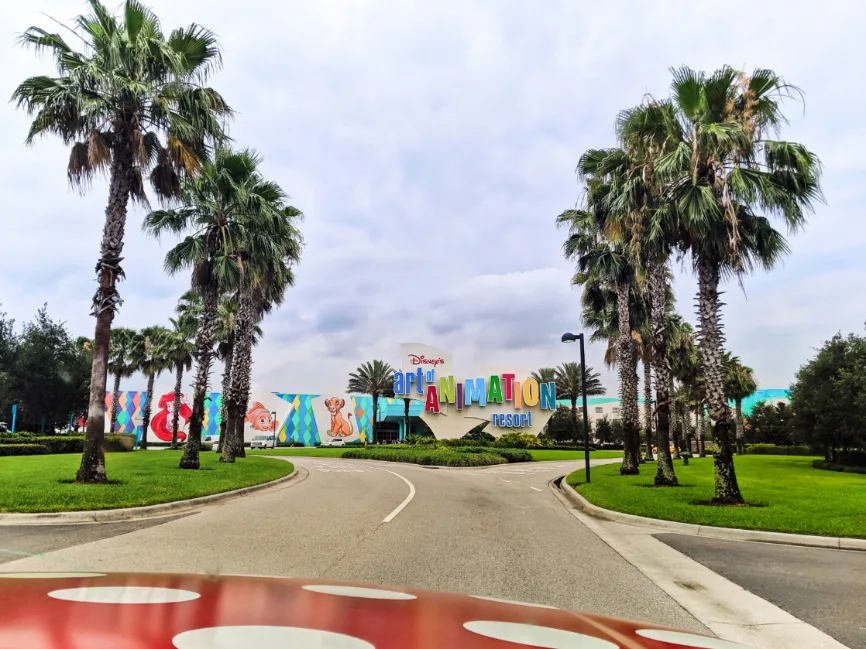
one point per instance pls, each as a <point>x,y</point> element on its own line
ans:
<point>149,356</point>
<point>545,375</point>
<point>218,208</point>
<point>721,174</point>
<point>569,385</point>
<point>684,364</point>
<point>120,365</point>
<point>179,349</point>
<point>739,384</point>
<point>271,248</point>
<point>113,101</point>
<point>406,427</point>
<point>376,379</point>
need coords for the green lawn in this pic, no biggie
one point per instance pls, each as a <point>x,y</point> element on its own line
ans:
<point>550,455</point>
<point>35,483</point>
<point>785,494</point>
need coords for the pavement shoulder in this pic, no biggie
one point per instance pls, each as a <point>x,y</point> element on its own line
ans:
<point>728,533</point>
<point>727,609</point>
<point>147,511</point>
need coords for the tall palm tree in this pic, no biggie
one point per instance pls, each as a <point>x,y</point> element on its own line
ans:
<point>121,365</point>
<point>129,102</point>
<point>375,378</point>
<point>179,350</point>
<point>739,384</point>
<point>218,208</point>
<point>684,364</point>
<point>271,248</point>
<point>651,228</point>
<point>569,384</point>
<point>149,356</point>
<point>406,426</point>
<point>722,173</point>
<point>545,375</point>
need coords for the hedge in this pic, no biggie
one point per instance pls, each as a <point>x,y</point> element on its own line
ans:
<point>58,444</point>
<point>772,449</point>
<point>828,466</point>
<point>851,458</point>
<point>423,457</point>
<point>21,449</point>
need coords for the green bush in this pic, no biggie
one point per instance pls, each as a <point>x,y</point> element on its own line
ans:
<point>510,454</point>
<point>17,438</point>
<point>21,449</point>
<point>62,443</point>
<point>461,443</point>
<point>425,457</point>
<point>426,441</point>
<point>827,466</point>
<point>206,446</point>
<point>516,440</point>
<point>772,449</point>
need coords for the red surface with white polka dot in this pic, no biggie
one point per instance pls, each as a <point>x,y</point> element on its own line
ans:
<point>165,611</point>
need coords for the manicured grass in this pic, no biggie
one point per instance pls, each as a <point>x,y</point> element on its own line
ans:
<point>785,494</point>
<point>305,451</point>
<point>34,483</point>
<point>552,455</point>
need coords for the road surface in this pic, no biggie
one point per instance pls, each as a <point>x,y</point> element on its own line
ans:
<point>495,532</point>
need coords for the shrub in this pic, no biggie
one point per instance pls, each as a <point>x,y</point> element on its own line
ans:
<point>17,438</point>
<point>206,446</point>
<point>514,454</point>
<point>426,441</point>
<point>516,440</point>
<point>317,444</point>
<point>425,457</point>
<point>462,443</point>
<point>21,449</point>
<point>62,443</point>
<point>772,449</point>
<point>828,466</point>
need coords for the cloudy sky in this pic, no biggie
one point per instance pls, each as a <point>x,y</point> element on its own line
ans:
<point>431,146</point>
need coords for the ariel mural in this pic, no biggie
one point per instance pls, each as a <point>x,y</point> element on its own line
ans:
<point>161,423</point>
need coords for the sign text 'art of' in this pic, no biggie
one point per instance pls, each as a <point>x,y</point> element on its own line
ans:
<point>497,389</point>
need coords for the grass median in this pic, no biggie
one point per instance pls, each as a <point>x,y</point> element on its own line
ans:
<point>42,483</point>
<point>545,455</point>
<point>783,494</point>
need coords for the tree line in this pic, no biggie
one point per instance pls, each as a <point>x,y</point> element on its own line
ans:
<point>132,102</point>
<point>695,177</point>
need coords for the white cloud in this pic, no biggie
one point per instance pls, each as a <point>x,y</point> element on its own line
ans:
<point>431,145</point>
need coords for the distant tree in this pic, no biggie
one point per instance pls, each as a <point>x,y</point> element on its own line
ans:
<point>478,433</point>
<point>180,349</point>
<point>8,351</point>
<point>770,424</point>
<point>828,398</point>
<point>562,427</point>
<point>609,432</point>
<point>120,365</point>
<point>740,384</point>
<point>569,385</point>
<point>150,357</point>
<point>544,374</point>
<point>375,378</point>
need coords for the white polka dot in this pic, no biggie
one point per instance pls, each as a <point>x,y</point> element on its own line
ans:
<point>48,575</point>
<point>688,639</point>
<point>531,635</point>
<point>355,591</point>
<point>511,601</point>
<point>265,637</point>
<point>124,595</point>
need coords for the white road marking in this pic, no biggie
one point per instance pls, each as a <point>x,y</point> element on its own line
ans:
<point>536,488</point>
<point>409,498</point>
<point>504,480</point>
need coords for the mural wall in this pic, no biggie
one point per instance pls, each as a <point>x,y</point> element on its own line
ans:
<point>299,417</point>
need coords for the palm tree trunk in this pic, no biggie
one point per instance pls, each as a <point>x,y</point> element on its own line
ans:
<point>727,491</point>
<point>175,418</point>
<point>405,418</point>
<point>204,355</point>
<point>665,476</point>
<point>115,404</point>
<point>236,394</point>
<point>741,430</point>
<point>105,302</point>
<point>636,380</point>
<point>628,384</point>
<point>699,426</point>
<point>675,422</point>
<point>647,409</point>
<point>145,420</point>
<point>574,427</point>
<point>227,373</point>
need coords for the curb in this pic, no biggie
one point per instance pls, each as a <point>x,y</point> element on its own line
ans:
<point>727,533</point>
<point>135,513</point>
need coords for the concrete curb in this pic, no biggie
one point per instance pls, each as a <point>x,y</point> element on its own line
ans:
<point>728,533</point>
<point>134,513</point>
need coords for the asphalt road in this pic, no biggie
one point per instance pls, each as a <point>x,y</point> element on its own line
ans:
<point>824,587</point>
<point>495,532</point>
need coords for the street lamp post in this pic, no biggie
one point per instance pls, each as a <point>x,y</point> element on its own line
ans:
<point>274,426</point>
<point>570,338</point>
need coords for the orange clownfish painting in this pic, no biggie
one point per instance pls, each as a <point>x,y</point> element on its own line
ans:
<point>260,418</point>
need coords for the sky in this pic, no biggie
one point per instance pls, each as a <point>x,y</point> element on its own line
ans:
<point>430,147</point>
